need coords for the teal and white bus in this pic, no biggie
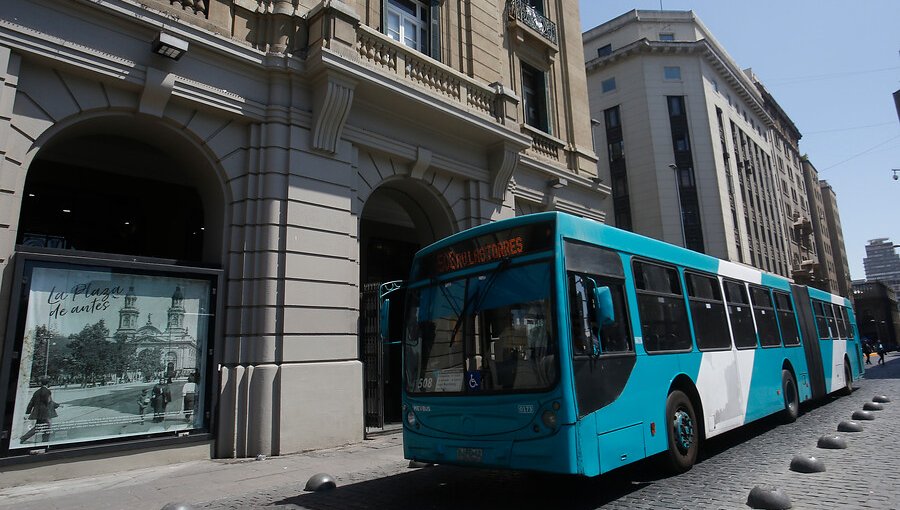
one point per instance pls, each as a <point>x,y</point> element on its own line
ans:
<point>553,343</point>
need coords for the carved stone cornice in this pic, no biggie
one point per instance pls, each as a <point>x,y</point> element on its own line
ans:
<point>502,161</point>
<point>333,97</point>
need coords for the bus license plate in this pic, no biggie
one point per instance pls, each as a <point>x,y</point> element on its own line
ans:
<point>469,454</point>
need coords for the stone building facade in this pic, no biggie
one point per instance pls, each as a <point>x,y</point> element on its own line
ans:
<point>305,148</point>
<point>687,139</point>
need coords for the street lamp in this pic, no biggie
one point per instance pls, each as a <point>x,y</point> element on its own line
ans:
<point>674,167</point>
<point>895,170</point>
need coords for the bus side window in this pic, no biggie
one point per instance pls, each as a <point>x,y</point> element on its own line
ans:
<point>707,312</point>
<point>847,323</point>
<point>740,314</point>
<point>611,338</point>
<point>764,312</point>
<point>786,319</point>
<point>664,322</point>
<point>841,323</point>
<point>821,320</point>
<point>829,315</point>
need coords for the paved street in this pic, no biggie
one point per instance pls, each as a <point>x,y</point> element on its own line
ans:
<point>373,475</point>
<point>861,476</point>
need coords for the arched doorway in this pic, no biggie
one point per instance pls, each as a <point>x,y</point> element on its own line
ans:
<point>399,218</point>
<point>119,214</point>
<point>122,186</point>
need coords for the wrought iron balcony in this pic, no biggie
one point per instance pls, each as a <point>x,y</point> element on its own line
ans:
<point>521,11</point>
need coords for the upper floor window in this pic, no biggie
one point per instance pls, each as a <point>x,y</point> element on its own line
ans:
<point>604,50</point>
<point>408,22</point>
<point>672,72</point>
<point>667,37</point>
<point>534,95</point>
<point>608,85</point>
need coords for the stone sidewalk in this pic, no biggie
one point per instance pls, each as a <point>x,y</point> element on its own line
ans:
<point>212,480</point>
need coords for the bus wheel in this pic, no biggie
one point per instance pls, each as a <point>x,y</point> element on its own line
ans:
<point>791,398</point>
<point>684,438</point>
<point>848,379</point>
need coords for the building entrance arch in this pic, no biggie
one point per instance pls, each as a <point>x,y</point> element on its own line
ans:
<point>122,185</point>
<point>398,218</point>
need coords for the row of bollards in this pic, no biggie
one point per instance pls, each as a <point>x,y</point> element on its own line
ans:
<point>767,497</point>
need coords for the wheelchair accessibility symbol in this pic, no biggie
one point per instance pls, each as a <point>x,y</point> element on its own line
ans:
<point>473,381</point>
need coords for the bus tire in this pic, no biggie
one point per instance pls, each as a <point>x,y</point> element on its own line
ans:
<point>791,397</point>
<point>848,380</point>
<point>683,433</point>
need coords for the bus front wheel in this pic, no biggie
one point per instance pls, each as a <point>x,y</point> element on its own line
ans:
<point>791,398</point>
<point>683,433</point>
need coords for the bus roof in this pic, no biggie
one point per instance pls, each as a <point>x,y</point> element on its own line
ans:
<point>573,227</point>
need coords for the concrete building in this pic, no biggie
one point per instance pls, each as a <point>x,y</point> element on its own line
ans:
<point>785,139</point>
<point>877,315</point>
<point>686,139</point>
<point>825,272</point>
<point>839,251</point>
<point>297,152</point>
<point>882,263</point>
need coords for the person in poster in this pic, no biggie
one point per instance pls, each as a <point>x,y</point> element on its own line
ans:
<point>42,409</point>
<point>160,399</point>
<point>189,390</point>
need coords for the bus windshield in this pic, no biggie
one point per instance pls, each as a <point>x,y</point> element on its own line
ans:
<point>491,332</point>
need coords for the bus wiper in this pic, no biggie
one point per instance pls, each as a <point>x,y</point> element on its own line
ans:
<point>478,298</point>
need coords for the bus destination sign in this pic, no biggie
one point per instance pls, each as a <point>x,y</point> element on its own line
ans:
<point>492,247</point>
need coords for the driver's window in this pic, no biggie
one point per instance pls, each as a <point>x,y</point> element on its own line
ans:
<point>590,267</point>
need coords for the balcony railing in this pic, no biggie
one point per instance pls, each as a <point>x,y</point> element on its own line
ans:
<point>521,11</point>
<point>382,52</point>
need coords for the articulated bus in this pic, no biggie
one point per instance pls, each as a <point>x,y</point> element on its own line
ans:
<point>554,343</point>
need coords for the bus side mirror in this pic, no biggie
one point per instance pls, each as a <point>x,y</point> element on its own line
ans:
<point>384,323</point>
<point>604,313</point>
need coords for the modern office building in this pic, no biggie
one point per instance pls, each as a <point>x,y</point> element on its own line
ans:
<point>685,140</point>
<point>882,263</point>
<point>241,176</point>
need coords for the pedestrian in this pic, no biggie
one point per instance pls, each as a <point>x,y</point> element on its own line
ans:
<point>189,393</point>
<point>880,353</point>
<point>41,409</point>
<point>159,399</point>
<point>143,403</point>
<point>867,350</point>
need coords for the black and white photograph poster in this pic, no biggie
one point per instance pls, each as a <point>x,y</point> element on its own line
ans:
<point>108,354</point>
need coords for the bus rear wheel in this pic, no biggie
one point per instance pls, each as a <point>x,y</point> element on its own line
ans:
<point>848,379</point>
<point>683,433</point>
<point>791,398</point>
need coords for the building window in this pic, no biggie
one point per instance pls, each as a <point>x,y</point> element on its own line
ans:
<point>666,37</point>
<point>604,50</point>
<point>608,85</point>
<point>615,144</point>
<point>686,185</point>
<point>534,95</point>
<point>408,22</point>
<point>672,72</point>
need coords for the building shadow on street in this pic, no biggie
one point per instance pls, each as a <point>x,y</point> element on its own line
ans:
<point>889,370</point>
<point>451,487</point>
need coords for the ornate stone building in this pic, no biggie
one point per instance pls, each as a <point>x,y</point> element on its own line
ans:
<point>305,148</point>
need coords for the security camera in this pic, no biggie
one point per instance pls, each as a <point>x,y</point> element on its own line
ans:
<point>896,177</point>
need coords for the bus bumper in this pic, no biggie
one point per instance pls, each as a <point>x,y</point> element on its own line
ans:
<point>553,454</point>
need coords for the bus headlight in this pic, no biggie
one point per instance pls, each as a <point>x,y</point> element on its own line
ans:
<point>411,418</point>
<point>549,419</point>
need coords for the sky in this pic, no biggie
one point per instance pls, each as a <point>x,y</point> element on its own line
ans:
<point>833,67</point>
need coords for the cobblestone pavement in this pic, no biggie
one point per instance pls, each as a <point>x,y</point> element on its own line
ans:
<point>861,476</point>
